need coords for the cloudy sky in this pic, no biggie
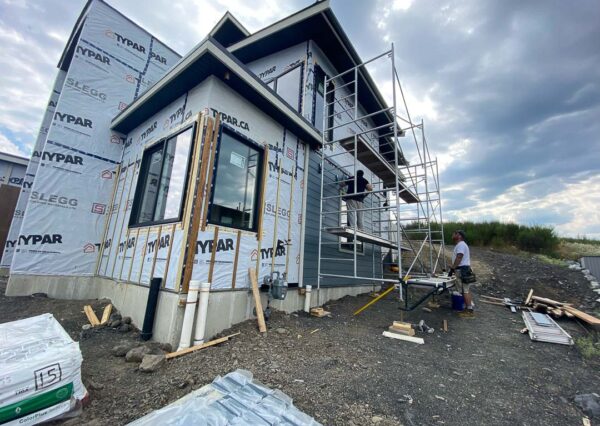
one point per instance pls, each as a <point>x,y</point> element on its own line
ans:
<point>509,90</point>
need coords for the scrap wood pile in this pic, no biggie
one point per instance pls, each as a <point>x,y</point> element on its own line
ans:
<point>544,305</point>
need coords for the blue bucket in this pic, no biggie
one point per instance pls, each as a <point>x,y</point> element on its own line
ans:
<point>458,302</point>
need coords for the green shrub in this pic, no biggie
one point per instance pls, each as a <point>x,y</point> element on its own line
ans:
<point>536,238</point>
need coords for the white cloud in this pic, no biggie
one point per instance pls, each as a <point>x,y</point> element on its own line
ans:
<point>9,147</point>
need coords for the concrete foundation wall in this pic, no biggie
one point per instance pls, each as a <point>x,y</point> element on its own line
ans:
<point>225,308</point>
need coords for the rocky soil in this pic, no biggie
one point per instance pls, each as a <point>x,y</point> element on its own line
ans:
<point>342,371</point>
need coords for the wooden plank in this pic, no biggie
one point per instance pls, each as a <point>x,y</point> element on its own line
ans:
<point>402,325</point>
<point>157,245</point>
<point>413,339</point>
<point>168,260</point>
<point>106,314</point>
<point>262,327</point>
<point>275,240</point>
<point>191,237</point>
<point>198,347</point>
<point>528,298</point>
<point>91,315</point>
<point>137,237</point>
<point>549,301</point>
<point>261,202</point>
<point>235,260</point>
<point>210,171</point>
<point>403,331</point>
<point>202,124</point>
<point>590,319</point>
<point>107,223</point>
<point>213,252</point>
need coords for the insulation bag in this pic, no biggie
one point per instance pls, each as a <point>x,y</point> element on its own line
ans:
<point>40,371</point>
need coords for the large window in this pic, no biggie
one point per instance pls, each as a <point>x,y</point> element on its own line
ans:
<point>289,86</point>
<point>161,183</point>
<point>317,118</point>
<point>235,194</point>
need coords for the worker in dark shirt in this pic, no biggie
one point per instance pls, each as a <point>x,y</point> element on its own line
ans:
<point>354,203</point>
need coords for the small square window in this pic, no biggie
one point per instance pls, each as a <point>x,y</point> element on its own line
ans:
<point>237,177</point>
<point>161,184</point>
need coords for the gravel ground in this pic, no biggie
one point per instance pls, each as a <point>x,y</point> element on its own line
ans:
<point>342,371</point>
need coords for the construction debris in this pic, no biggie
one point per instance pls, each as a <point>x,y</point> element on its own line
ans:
<point>561,309</point>
<point>198,347</point>
<point>106,314</point>
<point>319,312</point>
<point>543,328</point>
<point>417,340</point>
<point>91,315</point>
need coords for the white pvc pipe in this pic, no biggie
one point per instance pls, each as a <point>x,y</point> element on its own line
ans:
<point>307,298</point>
<point>188,316</point>
<point>202,312</point>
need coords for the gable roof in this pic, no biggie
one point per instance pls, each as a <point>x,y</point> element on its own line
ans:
<point>318,23</point>
<point>206,59</point>
<point>228,30</point>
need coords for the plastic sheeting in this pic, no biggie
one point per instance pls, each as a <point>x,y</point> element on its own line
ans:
<point>37,357</point>
<point>235,399</point>
<point>113,62</point>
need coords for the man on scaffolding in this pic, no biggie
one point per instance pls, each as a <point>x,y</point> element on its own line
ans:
<point>354,203</point>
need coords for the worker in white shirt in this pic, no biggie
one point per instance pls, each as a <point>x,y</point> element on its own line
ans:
<point>461,265</point>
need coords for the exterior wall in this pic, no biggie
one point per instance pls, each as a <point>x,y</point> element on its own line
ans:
<point>308,54</point>
<point>113,62</point>
<point>127,250</point>
<point>11,172</point>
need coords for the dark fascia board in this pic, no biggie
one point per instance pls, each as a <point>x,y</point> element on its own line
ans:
<point>65,58</point>
<point>228,30</point>
<point>210,58</point>
<point>299,16</point>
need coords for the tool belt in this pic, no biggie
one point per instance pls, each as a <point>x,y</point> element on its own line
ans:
<point>466,275</point>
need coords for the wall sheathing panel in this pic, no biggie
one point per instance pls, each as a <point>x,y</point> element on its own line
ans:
<point>32,167</point>
<point>64,223</point>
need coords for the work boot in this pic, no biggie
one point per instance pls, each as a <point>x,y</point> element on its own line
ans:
<point>468,313</point>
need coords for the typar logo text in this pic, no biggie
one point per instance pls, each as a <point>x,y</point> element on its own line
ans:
<point>124,41</point>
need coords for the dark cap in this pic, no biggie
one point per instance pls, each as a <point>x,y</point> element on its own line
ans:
<point>461,233</point>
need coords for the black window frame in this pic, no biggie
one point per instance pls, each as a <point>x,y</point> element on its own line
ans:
<point>300,86</point>
<point>259,178</point>
<point>329,95</point>
<point>161,145</point>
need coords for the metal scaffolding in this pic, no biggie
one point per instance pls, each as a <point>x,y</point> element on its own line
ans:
<point>402,229</point>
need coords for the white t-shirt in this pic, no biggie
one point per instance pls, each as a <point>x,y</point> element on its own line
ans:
<point>462,248</point>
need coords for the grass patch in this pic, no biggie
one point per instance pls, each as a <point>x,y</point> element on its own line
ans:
<point>589,346</point>
<point>551,260</point>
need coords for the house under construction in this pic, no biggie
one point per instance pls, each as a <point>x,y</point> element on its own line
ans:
<point>234,157</point>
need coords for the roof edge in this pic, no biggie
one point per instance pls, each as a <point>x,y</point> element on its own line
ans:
<point>228,16</point>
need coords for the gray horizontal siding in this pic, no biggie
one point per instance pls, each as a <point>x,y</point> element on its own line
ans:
<point>311,239</point>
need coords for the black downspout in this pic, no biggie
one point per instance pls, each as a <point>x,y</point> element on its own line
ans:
<point>151,308</point>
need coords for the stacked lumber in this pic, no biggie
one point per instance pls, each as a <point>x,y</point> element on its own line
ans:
<point>559,309</point>
<point>400,327</point>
